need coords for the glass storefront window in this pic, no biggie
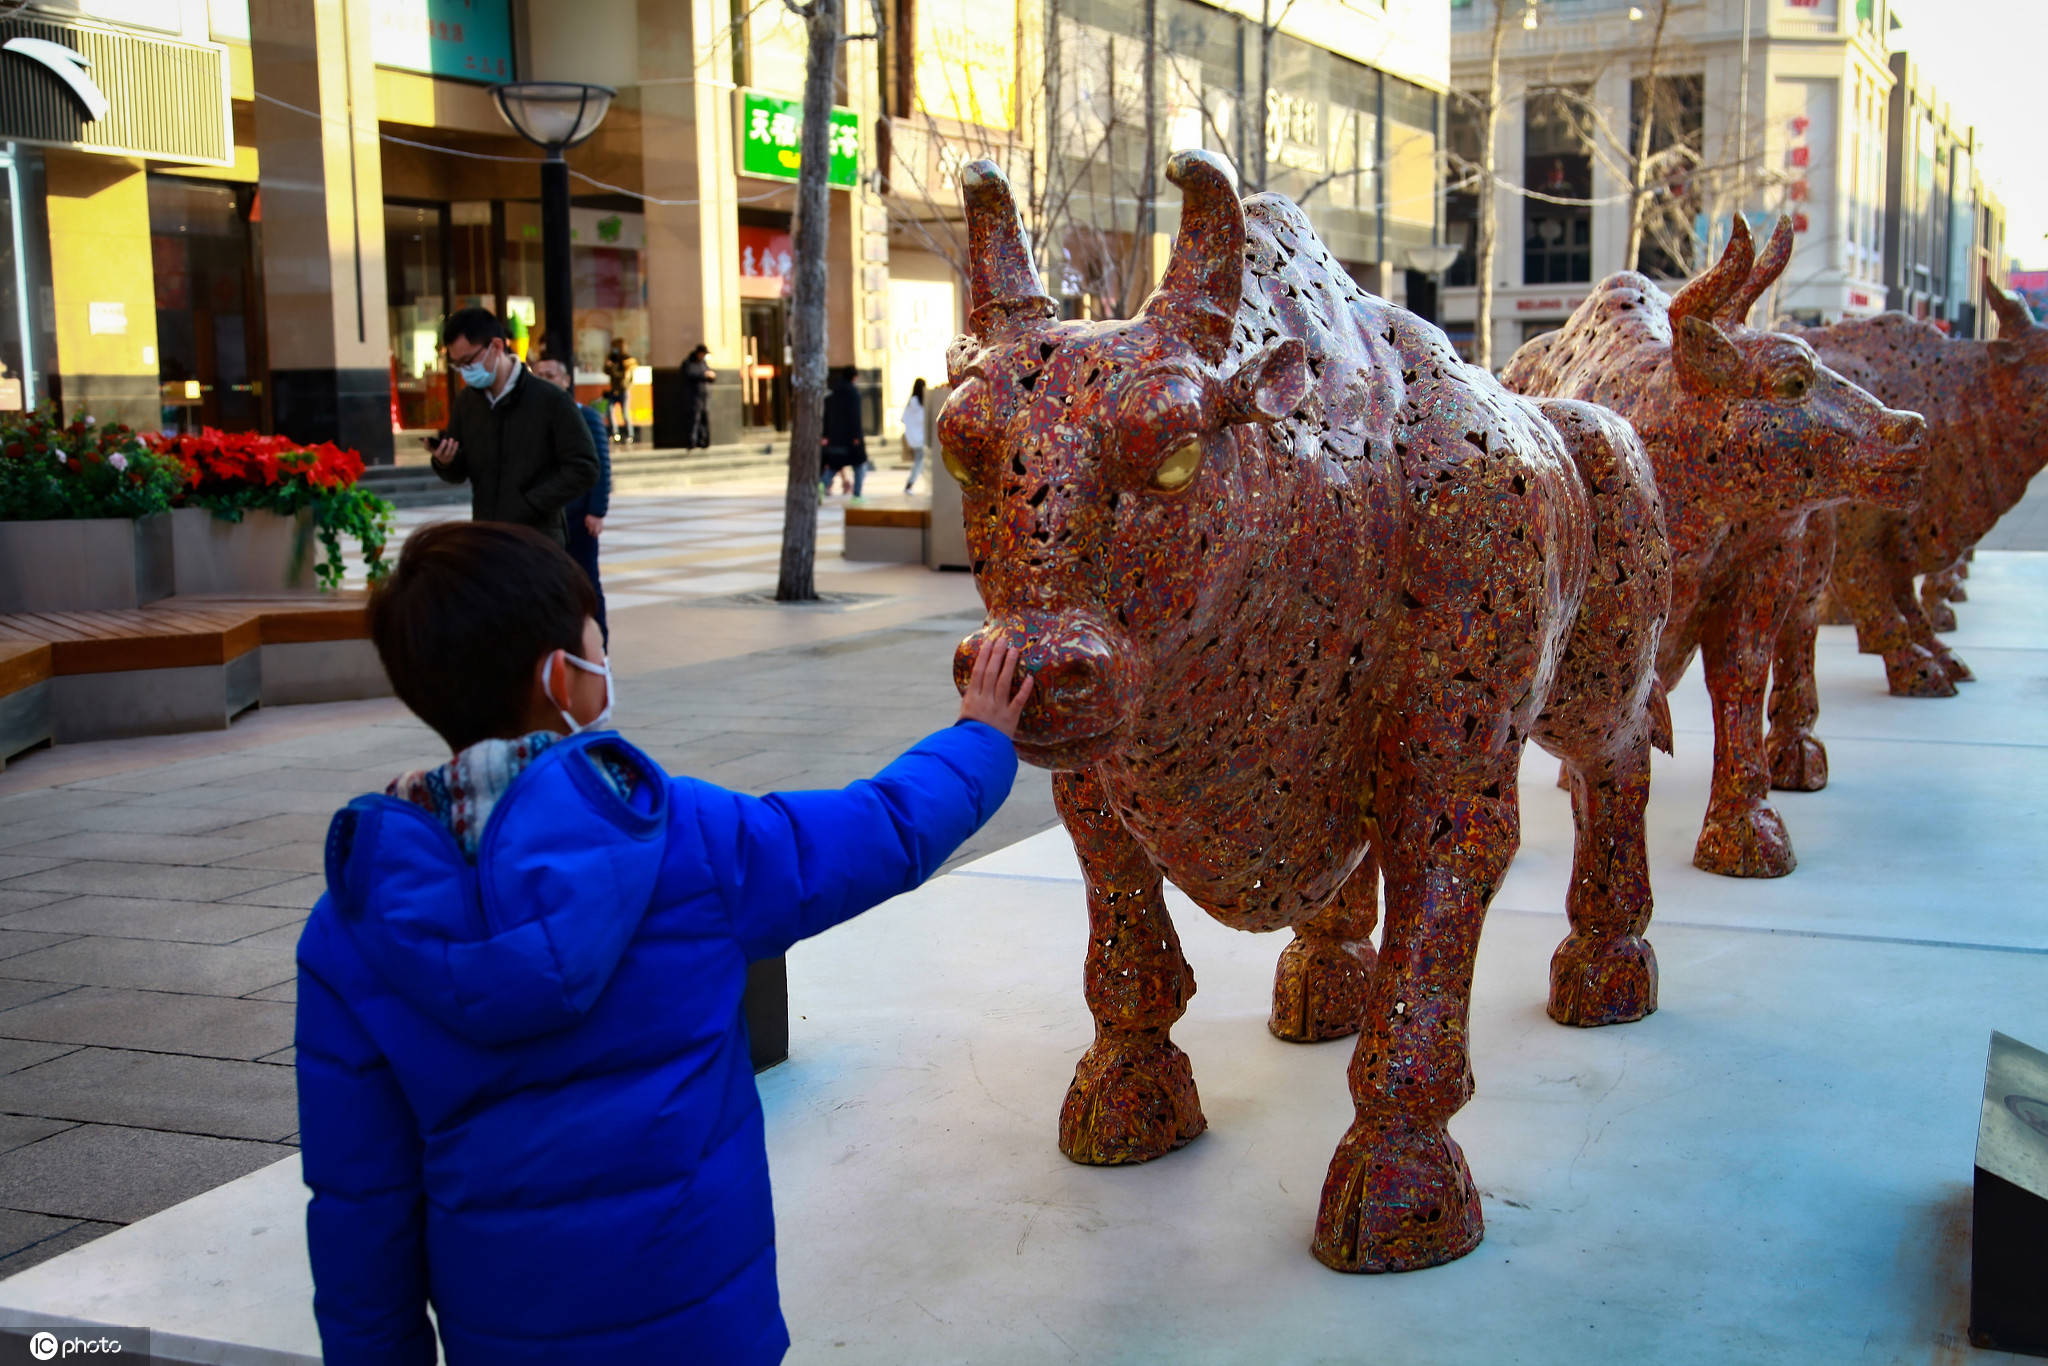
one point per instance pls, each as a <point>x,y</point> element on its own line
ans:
<point>415,269</point>
<point>18,389</point>
<point>608,261</point>
<point>209,323</point>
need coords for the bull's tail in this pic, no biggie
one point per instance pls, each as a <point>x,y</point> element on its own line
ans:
<point>1660,717</point>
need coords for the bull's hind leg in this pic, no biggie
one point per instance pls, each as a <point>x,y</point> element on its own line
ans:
<point>1605,972</point>
<point>1399,1196</point>
<point>1319,986</point>
<point>1133,1096</point>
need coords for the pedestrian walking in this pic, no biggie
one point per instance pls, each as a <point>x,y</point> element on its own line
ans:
<point>584,518</point>
<point>697,377</point>
<point>913,433</point>
<point>518,442</point>
<point>618,398</point>
<point>845,445</point>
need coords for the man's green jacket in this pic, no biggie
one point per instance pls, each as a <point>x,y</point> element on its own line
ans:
<point>526,459</point>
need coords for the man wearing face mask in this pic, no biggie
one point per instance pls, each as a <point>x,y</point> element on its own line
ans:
<point>520,443</point>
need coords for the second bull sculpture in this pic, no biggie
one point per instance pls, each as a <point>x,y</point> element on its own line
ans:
<point>1297,586</point>
<point>1749,434</point>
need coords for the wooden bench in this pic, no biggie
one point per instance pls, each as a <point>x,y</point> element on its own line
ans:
<point>181,663</point>
<point>888,530</point>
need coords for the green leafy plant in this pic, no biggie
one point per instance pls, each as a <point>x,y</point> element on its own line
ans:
<point>57,472</point>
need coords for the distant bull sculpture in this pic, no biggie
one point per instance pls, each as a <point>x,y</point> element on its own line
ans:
<point>1986,404</point>
<point>1749,435</point>
<point>1297,586</point>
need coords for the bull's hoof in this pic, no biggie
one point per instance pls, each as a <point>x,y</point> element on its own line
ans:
<point>1746,843</point>
<point>1913,672</point>
<point>1940,615</point>
<point>1957,671</point>
<point>1398,1198</point>
<point>1131,1100</point>
<point>1953,590</point>
<point>1602,979</point>
<point>1319,990</point>
<point>1799,764</point>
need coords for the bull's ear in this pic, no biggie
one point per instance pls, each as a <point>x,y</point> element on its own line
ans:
<point>1706,361</point>
<point>1269,385</point>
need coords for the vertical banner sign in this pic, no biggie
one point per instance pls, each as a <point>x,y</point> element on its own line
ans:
<point>771,130</point>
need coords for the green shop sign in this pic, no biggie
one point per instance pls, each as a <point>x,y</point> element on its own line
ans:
<point>770,132</point>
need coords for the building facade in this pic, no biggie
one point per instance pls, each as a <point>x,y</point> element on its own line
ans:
<point>1337,104</point>
<point>273,240</point>
<point>1758,107</point>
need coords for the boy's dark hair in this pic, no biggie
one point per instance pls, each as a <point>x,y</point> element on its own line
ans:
<point>477,326</point>
<point>465,618</point>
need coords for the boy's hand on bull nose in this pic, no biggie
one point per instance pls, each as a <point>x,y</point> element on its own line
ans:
<point>989,697</point>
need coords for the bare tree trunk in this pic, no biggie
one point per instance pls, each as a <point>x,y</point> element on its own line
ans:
<point>1265,84</point>
<point>1140,283</point>
<point>1489,230</point>
<point>1639,167</point>
<point>807,307</point>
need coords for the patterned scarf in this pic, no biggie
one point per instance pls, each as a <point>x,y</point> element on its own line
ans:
<point>461,792</point>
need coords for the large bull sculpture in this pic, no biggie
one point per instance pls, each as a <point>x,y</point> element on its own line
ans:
<point>1749,434</point>
<point>1297,586</point>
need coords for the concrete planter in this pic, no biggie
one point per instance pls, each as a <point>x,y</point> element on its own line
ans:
<point>265,552</point>
<point>85,565</point>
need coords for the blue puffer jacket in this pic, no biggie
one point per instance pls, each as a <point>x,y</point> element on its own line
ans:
<point>524,1091</point>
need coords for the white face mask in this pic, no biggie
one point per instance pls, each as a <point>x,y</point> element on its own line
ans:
<point>603,718</point>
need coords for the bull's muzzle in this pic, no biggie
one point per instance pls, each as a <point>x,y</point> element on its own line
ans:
<point>1083,693</point>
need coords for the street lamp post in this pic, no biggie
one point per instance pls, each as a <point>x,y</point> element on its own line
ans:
<point>555,116</point>
<point>1433,261</point>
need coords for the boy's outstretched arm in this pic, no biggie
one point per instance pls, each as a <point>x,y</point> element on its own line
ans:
<point>359,1148</point>
<point>796,863</point>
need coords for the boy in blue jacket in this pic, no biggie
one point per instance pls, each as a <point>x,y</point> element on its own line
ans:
<point>524,1089</point>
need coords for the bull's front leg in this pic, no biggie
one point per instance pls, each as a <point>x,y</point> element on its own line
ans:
<point>1320,983</point>
<point>1605,972</point>
<point>1742,835</point>
<point>1399,1196</point>
<point>1799,762</point>
<point>1878,593</point>
<point>1133,1095</point>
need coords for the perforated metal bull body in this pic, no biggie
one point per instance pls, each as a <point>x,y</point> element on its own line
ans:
<point>1749,435</point>
<point>1297,586</point>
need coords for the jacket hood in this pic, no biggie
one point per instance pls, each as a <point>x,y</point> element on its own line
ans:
<point>524,941</point>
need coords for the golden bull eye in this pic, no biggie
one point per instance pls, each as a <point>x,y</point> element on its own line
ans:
<point>1178,469</point>
<point>953,465</point>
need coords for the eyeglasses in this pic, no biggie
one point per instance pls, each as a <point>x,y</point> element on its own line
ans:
<point>475,354</point>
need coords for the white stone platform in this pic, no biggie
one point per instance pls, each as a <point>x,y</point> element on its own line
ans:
<point>1773,1168</point>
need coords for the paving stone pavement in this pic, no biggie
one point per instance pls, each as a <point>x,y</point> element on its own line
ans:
<point>149,913</point>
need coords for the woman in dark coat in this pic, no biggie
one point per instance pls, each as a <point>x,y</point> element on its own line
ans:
<point>845,445</point>
<point>697,377</point>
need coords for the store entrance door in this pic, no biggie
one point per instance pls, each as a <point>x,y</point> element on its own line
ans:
<point>764,364</point>
<point>209,322</point>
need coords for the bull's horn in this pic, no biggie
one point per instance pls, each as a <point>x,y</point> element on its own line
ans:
<point>1003,288</point>
<point>1714,286</point>
<point>1770,264</point>
<point>2014,317</point>
<point>1199,293</point>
